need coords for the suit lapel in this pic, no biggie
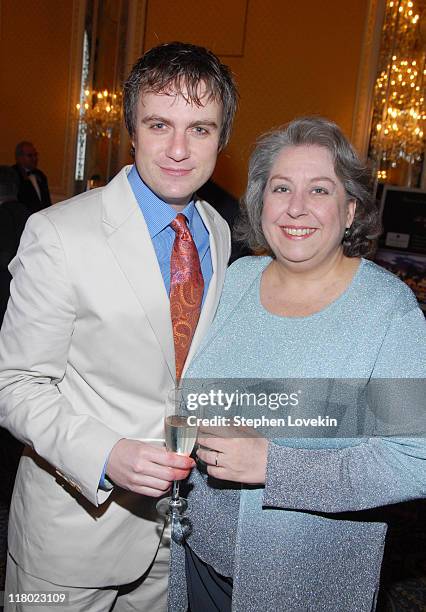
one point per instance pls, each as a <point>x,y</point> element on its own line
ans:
<point>219,254</point>
<point>129,239</point>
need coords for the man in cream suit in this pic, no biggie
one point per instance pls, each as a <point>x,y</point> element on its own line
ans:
<point>87,349</point>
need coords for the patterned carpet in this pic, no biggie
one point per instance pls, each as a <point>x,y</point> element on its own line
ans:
<point>404,570</point>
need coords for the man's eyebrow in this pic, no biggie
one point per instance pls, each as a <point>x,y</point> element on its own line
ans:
<point>157,118</point>
<point>206,122</point>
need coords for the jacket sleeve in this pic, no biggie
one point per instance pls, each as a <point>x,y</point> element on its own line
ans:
<point>376,471</point>
<point>35,339</point>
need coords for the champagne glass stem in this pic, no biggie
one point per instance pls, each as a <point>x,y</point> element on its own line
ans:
<point>175,493</point>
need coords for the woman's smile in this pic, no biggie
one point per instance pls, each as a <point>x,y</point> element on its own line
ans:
<point>297,232</point>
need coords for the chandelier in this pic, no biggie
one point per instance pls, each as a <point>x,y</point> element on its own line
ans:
<point>399,115</point>
<point>99,112</point>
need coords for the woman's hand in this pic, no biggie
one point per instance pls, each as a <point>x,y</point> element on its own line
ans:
<point>239,456</point>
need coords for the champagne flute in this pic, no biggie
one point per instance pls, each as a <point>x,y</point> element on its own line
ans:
<point>180,439</point>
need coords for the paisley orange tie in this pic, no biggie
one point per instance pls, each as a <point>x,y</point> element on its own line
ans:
<point>186,290</point>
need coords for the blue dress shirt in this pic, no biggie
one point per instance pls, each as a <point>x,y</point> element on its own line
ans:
<point>158,215</point>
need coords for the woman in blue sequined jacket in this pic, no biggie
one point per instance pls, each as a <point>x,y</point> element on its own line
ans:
<point>293,524</point>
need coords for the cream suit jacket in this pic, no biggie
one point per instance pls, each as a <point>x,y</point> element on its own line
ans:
<point>87,358</point>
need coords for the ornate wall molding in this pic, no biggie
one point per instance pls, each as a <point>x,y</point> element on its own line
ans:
<point>363,108</point>
<point>134,48</point>
<point>219,25</point>
<point>136,30</point>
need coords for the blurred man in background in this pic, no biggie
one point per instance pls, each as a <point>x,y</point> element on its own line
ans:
<point>33,188</point>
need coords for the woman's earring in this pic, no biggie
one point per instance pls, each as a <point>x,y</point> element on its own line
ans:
<point>347,233</point>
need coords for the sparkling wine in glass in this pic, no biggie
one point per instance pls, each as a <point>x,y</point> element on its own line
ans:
<point>180,439</point>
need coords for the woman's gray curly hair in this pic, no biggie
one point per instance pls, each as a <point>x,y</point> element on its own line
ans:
<point>348,167</point>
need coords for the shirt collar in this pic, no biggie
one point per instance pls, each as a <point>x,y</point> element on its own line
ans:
<point>157,213</point>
